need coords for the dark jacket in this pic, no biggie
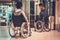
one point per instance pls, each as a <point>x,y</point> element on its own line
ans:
<point>45,15</point>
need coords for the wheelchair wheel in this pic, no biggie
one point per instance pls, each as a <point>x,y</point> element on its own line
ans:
<point>47,28</point>
<point>39,26</point>
<point>25,30</point>
<point>11,31</point>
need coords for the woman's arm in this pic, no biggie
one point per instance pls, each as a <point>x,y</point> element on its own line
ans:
<point>27,22</point>
<point>26,19</point>
<point>24,16</point>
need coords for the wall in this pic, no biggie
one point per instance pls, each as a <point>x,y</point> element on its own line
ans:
<point>57,13</point>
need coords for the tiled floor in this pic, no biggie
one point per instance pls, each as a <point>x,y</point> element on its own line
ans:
<point>52,35</point>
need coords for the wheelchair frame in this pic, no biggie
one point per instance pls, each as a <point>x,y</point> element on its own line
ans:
<point>20,31</point>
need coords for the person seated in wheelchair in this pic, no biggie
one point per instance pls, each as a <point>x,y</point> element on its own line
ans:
<point>18,16</point>
<point>43,16</point>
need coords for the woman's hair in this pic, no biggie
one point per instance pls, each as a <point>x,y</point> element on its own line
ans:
<point>18,5</point>
<point>41,4</point>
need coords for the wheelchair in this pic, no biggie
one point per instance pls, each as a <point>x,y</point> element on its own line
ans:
<point>23,31</point>
<point>41,26</point>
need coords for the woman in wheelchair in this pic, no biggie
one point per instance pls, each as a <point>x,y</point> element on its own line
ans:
<point>19,20</point>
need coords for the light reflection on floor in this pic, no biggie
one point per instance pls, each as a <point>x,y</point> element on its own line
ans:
<point>4,32</point>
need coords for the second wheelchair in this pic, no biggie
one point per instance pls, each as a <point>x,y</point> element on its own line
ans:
<point>41,26</point>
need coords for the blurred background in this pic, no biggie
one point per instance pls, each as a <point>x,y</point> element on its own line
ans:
<point>31,9</point>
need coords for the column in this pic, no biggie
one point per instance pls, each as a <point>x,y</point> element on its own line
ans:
<point>26,8</point>
<point>57,13</point>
